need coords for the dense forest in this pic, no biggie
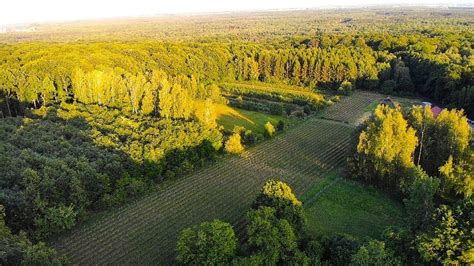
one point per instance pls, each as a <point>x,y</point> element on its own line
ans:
<point>138,76</point>
<point>90,120</point>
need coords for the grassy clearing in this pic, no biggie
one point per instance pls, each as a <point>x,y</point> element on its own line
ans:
<point>229,117</point>
<point>351,208</point>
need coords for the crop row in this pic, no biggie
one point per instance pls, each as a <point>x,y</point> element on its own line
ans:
<point>351,109</point>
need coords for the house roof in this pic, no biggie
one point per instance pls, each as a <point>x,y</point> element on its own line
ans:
<point>436,110</point>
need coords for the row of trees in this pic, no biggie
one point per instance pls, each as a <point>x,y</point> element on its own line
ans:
<point>429,162</point>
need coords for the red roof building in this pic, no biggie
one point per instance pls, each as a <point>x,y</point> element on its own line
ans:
<point>436,111</point>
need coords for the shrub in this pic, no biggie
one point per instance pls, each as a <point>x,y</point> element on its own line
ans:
<point>249,137</point>
<point>269,130</point>
<point>276,109</point>
<point>289,108</point>
<point>345,88</point>
<point>281,125</point>
<point>234,145</point>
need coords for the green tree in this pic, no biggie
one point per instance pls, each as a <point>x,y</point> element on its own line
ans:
<point>374,253</point>
<point>450,239</point>
<point>271,238</point>
<point>278,195</point>
<point>341,249</point>
<point>212,243</point>
<point>55,220</point>
<point>420,202</point>
<point>42,255</point>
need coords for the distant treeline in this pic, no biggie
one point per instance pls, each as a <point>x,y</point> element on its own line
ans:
<point>143,76</point>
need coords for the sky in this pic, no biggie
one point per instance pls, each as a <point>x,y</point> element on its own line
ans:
<point>28,11</point>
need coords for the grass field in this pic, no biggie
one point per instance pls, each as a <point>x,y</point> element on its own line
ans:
<point>348,207</point>
<point>145,231</point>
<point>228,117</point>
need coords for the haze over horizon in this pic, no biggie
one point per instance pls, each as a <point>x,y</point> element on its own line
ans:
<point>30,11</point>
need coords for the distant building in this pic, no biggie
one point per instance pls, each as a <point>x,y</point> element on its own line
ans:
<point>388,102</point>
<point>426,104</point>
<point>471,124</point>
<point>436,111</point>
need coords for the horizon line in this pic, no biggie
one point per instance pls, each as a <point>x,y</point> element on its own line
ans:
<point>225,12</point>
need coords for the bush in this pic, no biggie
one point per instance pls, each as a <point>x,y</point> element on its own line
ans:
<point>345,88</point>
<point>269,130</point>
<point>233,144</point>
<point>281,125</point>
<point>336,98</point>
<point>276,109</point>
<point>249,137</point>
<point>290,108</point>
